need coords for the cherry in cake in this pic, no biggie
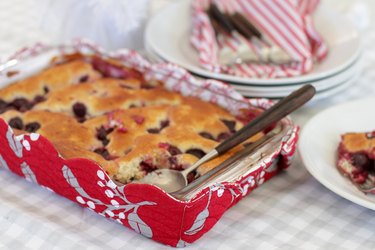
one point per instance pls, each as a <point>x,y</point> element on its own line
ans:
<point>356,159</point>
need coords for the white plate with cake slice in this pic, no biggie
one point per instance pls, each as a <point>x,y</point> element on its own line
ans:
<point>319,143</point>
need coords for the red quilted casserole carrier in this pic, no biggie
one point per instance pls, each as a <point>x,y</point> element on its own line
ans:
<point>144,208</point>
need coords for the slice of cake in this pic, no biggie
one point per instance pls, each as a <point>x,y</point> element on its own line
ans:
<point>356,159</point>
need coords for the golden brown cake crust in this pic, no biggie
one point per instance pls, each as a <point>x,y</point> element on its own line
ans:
<point>127,128</point>
<point>356,158</point>
<point>355,142</point>
<point>51,79</point>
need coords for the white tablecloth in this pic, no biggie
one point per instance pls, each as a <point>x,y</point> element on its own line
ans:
<point>292,211</point>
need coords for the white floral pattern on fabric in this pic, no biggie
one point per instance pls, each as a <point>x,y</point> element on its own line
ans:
<point>114,210</point>
<point>28,173</point>
<point>14,143</point>
<point>201,217</point>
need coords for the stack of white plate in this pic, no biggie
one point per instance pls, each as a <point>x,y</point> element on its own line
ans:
<point>167,38</point>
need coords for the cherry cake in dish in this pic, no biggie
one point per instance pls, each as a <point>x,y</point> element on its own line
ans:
<point>356,159</point>
<point>100,110</point>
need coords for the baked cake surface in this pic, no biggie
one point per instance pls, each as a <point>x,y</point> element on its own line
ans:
<point>356,158</point>
<point>128,126</point>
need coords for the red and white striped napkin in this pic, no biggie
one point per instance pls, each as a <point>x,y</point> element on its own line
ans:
<point>286,24</point>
